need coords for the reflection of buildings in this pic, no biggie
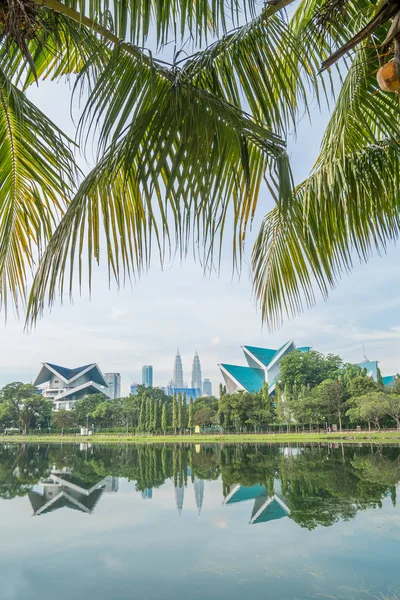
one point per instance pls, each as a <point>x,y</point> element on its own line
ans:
<point>147,494</point>
<point>199,493</point>
<point>266,507</point>
<point>179,496</point>
<point>64,489</point>
<point>198,486</point>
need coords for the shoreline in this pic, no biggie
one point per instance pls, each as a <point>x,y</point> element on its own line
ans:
<point>390,437</point>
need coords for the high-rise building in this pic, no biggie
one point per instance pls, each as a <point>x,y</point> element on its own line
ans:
<point>207,387</point>
<point>147,375</point>
<point>134,388</point>
<point>114,384</point>
<point>177,379</point>
<point>197,381</point>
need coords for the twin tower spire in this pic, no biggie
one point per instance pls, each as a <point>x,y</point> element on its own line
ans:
<point>177,379</point>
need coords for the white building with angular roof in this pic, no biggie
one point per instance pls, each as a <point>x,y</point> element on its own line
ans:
<point>65,386</point>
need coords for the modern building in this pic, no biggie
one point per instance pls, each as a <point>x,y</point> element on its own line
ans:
<point>207,387</point>
<point>134,388</point>
<point>197,379</point>
<point>170,390</point>
<point>65,386</point>
<point>147,376</point>
<point>263,366</point>
<point>177,378</point>
<point>372,370</point>
<point>114,384</point>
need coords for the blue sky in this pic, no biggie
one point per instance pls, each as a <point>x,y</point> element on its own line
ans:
<point>179,307</point>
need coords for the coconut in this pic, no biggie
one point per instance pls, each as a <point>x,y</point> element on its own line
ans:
<point>387,77</point>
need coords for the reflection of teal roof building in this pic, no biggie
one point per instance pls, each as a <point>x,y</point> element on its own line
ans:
<point>262,366</point>
<point>266,507</point>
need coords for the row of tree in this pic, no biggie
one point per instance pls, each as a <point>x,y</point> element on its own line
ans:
<point>149,411</point>
<point>313,391</point>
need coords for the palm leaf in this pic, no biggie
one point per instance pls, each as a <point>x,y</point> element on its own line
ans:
<point>36,172</point>
<point>179,160</point>
<point>170,20</point>
<point>348,208</point>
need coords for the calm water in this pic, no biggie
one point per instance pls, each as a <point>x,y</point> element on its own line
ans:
<point>234,522</point>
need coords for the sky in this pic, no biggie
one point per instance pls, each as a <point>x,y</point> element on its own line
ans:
<point>181,308</point>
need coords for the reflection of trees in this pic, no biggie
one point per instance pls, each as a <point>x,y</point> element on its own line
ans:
<point>21,467</point>
<point>320,485</point>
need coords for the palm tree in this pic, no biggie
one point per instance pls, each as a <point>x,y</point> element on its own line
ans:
<point>184,146</point>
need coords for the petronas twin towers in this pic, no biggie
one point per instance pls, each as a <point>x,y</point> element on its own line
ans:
<point>177,379</point>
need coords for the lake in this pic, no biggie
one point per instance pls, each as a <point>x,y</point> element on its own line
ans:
<point>199,521</point>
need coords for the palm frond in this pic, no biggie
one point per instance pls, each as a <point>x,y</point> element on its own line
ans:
<point>170,20</point>
<point>260,66</point>
<point>36,173</point>
<point>348,208</point>
<point>173,172</point>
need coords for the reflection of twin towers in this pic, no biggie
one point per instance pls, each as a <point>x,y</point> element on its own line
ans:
<point>198,486</point>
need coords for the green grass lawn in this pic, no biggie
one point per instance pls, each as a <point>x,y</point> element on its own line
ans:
<point>365,436</point>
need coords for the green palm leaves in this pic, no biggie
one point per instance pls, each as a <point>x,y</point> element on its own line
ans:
<point>183,148</point>
<point>36,173</point>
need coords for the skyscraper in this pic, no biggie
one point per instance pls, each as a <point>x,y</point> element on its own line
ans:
<point>197,381</point>
<point>177,379</point>
<point>147,375</point>
<point>114,384</point>
<point>207,387</point>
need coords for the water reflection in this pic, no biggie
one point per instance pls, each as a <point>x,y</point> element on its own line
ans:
<point>312,486</point>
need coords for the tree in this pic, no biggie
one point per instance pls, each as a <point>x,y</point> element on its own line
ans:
<point>204,417</point>
<point>175,410</point>
<point>310,368</point>
<point>63,419</point>
<point>142,416</point>
<point>332,397</point>
<point>164,419</point>
<point>22,406</point>
<point>208,141</point>
<point>83,409</point>
<point>370,408</point>
<point>392,407</point>
<point>180,412</point>
<point>191,413</point>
